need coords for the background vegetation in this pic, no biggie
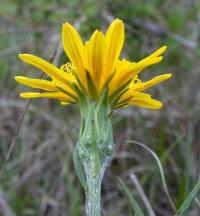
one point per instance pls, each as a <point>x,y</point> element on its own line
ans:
<point>37,175</point>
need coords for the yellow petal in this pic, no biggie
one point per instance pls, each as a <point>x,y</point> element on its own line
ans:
<point>148,61</point>
<point>94,50</point>
<point>146,103</point>
<point>141,65</point>
<point>159,52</point>
<point>124,71</point>
<point>155,55</point>
<point>73,47</point>
<point>59,77</point>
<point>54,95</point>
<point>43,65</point>
<point>156,80</point>
<point>144,100</point>
<point>154,58</point>
<point>36,83</point>
<point>139,99</point>
<point>130,69</point>
<point>114,42</point>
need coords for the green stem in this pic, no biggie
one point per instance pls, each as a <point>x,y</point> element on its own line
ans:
<point>93,196</point>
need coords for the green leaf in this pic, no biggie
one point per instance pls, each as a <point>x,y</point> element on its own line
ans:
<point>186,204</point>
<point>134,204</point>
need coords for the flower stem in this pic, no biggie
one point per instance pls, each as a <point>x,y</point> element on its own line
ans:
<point>93,196</point>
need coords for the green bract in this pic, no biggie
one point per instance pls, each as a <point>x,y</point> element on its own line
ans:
<point>94,148</point>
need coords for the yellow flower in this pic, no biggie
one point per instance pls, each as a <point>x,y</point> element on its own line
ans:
<point>94,66</point>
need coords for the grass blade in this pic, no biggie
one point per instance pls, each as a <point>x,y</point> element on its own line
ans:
<point>160,169</point>
<point>134,204</point>
<point>186,204</point>
<point>142,194</point>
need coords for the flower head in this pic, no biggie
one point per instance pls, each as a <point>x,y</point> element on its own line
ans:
<point>94,66</point>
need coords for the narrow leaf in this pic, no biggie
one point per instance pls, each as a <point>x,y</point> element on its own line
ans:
<point>186,204</point>
<point>134,204</point>
<point>160,169</point>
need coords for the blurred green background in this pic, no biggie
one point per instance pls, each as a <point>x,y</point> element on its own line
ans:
<point>38,177</point>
